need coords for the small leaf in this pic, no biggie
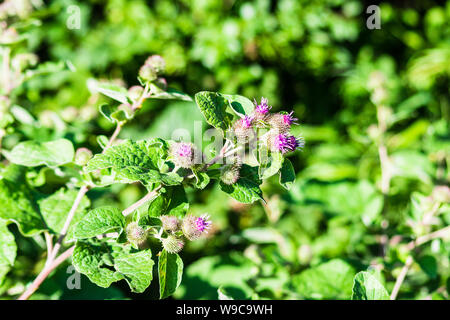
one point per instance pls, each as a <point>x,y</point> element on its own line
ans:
<point>136,269</point>
<point>240,104</point>
<point>106,110</point>
<point>213,107</point>
<point>246,189</point>
<point>287,174</point>
<point>171,94</point>
<point>8,247</point>
<point>99,221</point>
<point>51,153</point>
<point>170,272</point>
<point>367,287</point>
<point>172,202</point>
<point>275,164</point>
<point>223,295</point>
<point>113,91</point>
<point>202,179</point>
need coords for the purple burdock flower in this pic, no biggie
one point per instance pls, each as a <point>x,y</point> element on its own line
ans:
<point>203,223</point>
<point>182,154</point>
<point>246,122</point>
<point>284,143</point>
<point>194,227</point>
<point>289,118</point>
<point>184,150</point>
<point>262,108</point>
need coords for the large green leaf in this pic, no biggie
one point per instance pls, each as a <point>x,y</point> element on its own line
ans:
<point>99,221</point>
<point>51,153</point>
<point>88,259</point>
<point>113,91</point>
<point>330,280</point>
<point>213,106</point>
<point>135,161</point>
<point>54,210</point>
<point>170,271</point>
<point>246,189</point>
<point>367,287</point>
<point>17,205</point>
<point>136,269</point>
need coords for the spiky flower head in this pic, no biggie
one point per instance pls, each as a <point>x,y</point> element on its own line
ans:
<point>172,244</point>
<point>182,154</point>
<point>157,63</point>
<point>170,223</point>
<point>243,129</point>
<point>230,174</point>
<point>135,233</point>
<point>262,108</point>
<point>285,143</point>
<point>281,121</point>
<point>194,227</point>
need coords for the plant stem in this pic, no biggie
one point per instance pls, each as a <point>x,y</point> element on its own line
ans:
<point>149,196</point>
<point>401,277</point>
<point>69,218</point>
<point>49,267</point>
<point>45,272</point>
<point>411,246</point>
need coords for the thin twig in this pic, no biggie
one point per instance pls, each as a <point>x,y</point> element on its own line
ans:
<point>69,218</point>
<point>149,196</point>
<point>401,277</point>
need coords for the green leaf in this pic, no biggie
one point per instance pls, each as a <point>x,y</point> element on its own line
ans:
<point>330,280</point>
<point>246,189</point>
<point>170,272</point>
<point>171,202</point>
<point>8,247</point>
<point>136,269</point>
<point>287,174</point>
<point>367,287</point>
<point>88,259</point>
<point>171,94</point>
<point>213,106</point>
<point>202,179</point>
<point>55,208</point>
<point>17,205</point>
<point>240,104</point>
<point>106,110</point>
<point>275,164</point>
<point>99,221</point>
<point>136,161</point>
<point>51,153</point>
<point>113,91</point>
<point>223,295</point>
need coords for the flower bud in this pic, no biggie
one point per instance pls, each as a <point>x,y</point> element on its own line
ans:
<point>261,110</point>
<point>170,223</point>
<point>147,73</point>
<point>172,244</point>
<point>135,92</point>
<point>194,227</point>
<point>135,233</point>
<point>82,156</point>
<point>182,154</point>
<point>157,63</point>
<point>230,174</point>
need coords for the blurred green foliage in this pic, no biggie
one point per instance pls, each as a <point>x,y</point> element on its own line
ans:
<point>353,89</point>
